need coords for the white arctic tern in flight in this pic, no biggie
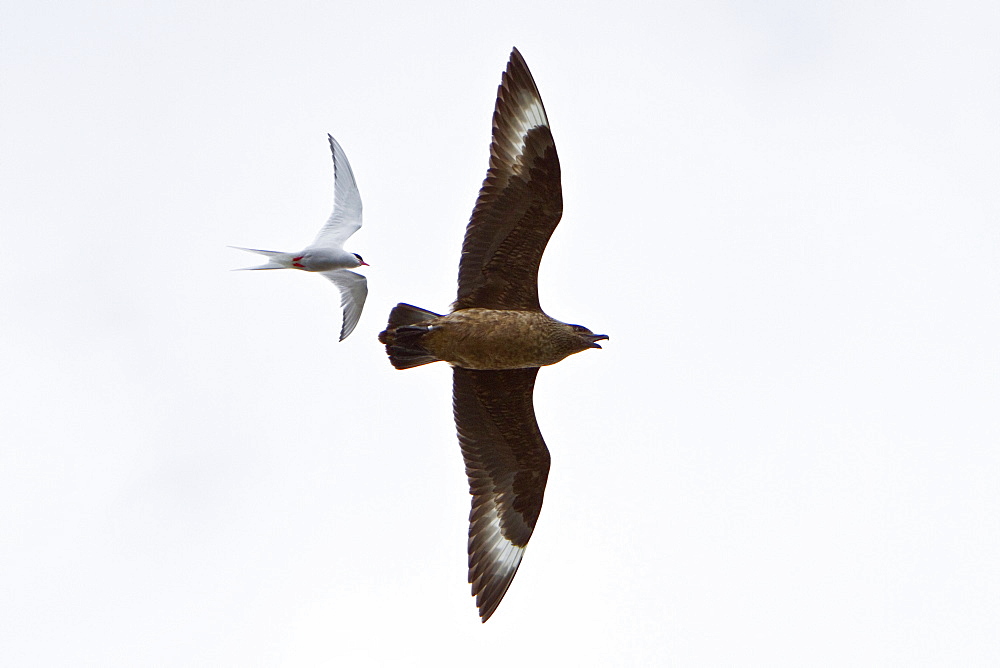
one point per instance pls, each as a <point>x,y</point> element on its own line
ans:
<point>326,253</point>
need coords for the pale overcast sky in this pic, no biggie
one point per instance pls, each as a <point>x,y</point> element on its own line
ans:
<point>785,215</point>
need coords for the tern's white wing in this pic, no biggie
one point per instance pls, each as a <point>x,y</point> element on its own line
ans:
<point>346,217</point>
<point>353,291</point>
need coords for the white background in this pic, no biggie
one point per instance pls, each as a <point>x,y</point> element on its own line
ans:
<point>784,214</point>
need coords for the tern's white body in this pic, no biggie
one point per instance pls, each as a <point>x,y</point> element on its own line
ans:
<point>326,254</point>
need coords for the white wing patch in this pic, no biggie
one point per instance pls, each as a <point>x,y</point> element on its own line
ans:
<point>495,560</point>
<point>528,114</point>
<point>531,112</point>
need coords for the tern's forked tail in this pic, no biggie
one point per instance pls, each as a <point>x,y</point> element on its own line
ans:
<point>407,324</point>
<point>275,259</point>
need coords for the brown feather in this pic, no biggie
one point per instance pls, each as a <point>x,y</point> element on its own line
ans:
<point>519,204</point>
<point>507,464</point>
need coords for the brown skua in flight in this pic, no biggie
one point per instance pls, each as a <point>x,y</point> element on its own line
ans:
<point>497,336</point>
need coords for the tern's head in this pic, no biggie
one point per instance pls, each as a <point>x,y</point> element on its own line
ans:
<point>361,263</point>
